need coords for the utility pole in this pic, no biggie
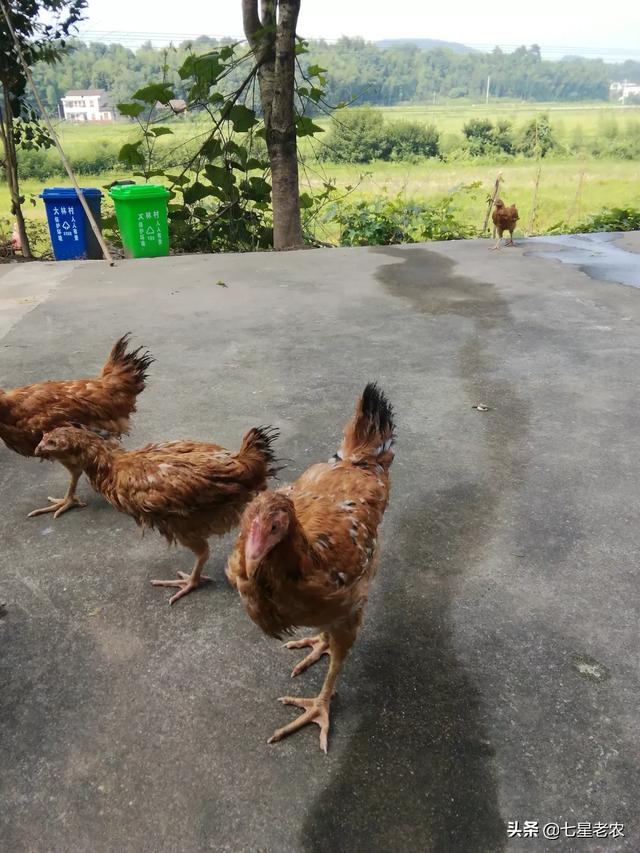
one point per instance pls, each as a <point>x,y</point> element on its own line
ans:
<point>488,84</point>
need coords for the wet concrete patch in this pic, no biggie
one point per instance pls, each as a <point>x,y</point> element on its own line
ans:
<point>597,255</point>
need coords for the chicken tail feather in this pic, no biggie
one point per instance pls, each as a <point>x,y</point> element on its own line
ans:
<point>126,365</point>
<point>260,440</point>
<point>371,432</point>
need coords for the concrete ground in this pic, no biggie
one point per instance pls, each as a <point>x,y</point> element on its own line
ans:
<point>497,675</point>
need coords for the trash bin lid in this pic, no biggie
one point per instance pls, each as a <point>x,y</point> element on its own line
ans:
<point>138,191</point>
<point>68,193</point>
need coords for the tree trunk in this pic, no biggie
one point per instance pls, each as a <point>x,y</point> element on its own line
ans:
<point>272,38</point>
<point>11,171</point>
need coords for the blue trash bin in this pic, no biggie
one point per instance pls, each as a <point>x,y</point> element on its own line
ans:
<point>72,237</point>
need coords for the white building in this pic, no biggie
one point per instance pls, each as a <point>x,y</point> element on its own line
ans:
<point>87,105</point>
<point>624,89</point>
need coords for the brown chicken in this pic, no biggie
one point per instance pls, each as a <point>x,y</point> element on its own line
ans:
<point>104,403</point>
<point>187,490</point>
<point>307,552</point>
<point>504,219</point>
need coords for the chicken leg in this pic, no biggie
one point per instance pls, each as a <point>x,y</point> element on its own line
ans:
<point>59,505</point>
<point>316,709</point>
<point>498,242</point>
<point>319,646</point>
<point>187,583</point>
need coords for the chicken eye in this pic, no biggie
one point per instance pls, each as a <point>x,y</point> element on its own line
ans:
<point>274,527</point>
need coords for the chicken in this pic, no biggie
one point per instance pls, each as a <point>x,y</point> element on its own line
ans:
<point>504,219</point>
<point>306,553</point>
<point>105,403</point>
<point>187,490</point>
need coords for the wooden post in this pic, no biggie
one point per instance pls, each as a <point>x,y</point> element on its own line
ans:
<point>67,165</point>
<point>576,204</point>
<point>491,202</point>
<point>534,202</point>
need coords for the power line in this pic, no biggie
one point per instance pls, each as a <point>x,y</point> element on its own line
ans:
<point>157,39</point>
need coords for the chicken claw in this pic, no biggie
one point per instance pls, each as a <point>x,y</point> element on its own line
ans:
<point>316,711</point>
<point>186,584</point>
<point>58,506</point>
<point>319,645</point>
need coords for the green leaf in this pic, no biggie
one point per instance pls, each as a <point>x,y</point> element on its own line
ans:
<point>315,94</point>
<point>179,180</point>
<point>306,201</point>
<point>316,70</point>
<point>153,93</point>
<point>211,149</point>
<point>303,91</point>
<point>161,131</point>
<point>131,110</point>
<point>255,163</point>
<point>305,127</point>
<point>219,176</point>
<point>256,189</point>
<point>242,118</point>
<point>196,192</point>
<point>130,154</point>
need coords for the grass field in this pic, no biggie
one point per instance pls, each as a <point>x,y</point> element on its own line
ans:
<point>563,195</point>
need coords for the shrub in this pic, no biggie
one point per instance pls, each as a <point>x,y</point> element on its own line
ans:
<point>356,136</point>
<point>484,138</point>
<point>537,138</point>
<point>614,219</point>
<point>382,221</point>
<point>408,139</point>
<point>361,135</point>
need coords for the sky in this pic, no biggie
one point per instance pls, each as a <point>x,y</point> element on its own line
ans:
<point>567,27</point>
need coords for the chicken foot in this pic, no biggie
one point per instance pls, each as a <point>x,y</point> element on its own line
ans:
<point>59,505</point>
<point>319,645</point>
<point>316,709</point>
<point>187,583</point>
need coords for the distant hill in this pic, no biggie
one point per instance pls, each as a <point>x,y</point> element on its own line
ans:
<point>426,44</point>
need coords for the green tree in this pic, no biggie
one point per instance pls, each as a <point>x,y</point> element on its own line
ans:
<point>40,27</point>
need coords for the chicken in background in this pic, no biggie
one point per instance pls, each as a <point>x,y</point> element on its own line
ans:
<point>105,402</point>
<point>504,218</point>
<point>187,490</point>
<point>306,553</point>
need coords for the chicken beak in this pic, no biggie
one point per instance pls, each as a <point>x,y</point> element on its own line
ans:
<point>254,549</point>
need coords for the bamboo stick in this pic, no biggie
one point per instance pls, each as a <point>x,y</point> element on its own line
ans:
<point>491,202</point>
<point>534,202</point>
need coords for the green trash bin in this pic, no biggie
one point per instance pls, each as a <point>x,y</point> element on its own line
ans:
<point>141,210</point>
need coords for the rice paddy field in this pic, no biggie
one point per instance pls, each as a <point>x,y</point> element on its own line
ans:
<point>569,187</point>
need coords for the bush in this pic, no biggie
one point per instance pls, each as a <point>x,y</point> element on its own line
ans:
<point>38,164</point>
<point>361,135</point>
<point>408,139</point>
<point>382,221</point>
<point>614,219</point>
<point>355,137</point>
<point>486,139</point>
<point>617,149</point>
<point>537,138</point>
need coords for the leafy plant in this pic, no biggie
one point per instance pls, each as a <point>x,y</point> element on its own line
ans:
<point>537,137</point>
<point>484,138</point>
<point>220,189</point>
<point>388,221</point>
<point>611,219</point>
